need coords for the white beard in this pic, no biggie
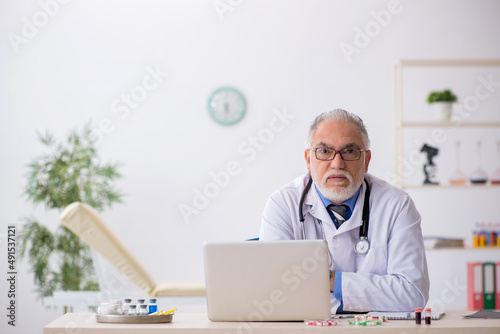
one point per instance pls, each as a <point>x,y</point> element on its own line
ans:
<point>343,194</point>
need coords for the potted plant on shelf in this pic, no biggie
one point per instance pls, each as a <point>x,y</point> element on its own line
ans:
<point>441,104</point>
<point>70,172</point>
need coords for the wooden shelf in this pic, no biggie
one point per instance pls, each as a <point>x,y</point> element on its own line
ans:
<point>466,248</point>
<point>448,62</point>
<point>485,124</point>
<point>449,186</point>
<point>466,254</point>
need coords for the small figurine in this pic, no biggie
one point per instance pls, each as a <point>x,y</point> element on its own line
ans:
<point>430,169</point>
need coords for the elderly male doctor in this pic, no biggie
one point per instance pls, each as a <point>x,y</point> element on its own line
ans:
<point>388,270</point>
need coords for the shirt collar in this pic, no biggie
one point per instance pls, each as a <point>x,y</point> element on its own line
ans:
<point>351,202</point>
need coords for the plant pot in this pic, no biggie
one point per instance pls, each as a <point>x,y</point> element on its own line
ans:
<point>442,111</point>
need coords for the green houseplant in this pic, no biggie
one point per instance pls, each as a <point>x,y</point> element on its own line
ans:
<point>70,172</point>
<point>441,103</point>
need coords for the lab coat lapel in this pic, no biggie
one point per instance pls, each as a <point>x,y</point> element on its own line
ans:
<point>315,206</point>
<point>317,210</point>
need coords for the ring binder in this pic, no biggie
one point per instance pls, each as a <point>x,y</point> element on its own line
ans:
<point>475,285</point>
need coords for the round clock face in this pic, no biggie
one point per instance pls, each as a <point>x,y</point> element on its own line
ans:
<point>226,105</point>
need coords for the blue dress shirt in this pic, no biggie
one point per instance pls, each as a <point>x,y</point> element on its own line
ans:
<point>351,203</point>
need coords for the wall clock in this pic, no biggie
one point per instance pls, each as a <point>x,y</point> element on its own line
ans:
<point>226,105</point>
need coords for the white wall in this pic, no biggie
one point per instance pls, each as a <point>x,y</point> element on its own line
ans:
<point>283,55</point>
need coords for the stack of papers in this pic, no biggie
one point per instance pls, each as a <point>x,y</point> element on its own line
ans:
<point>483,314</point>
<point>441,242</point>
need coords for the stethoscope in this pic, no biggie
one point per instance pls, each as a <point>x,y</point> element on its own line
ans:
<point>361,246</point>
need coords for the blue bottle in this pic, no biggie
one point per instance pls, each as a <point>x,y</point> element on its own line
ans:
<point>153,307</point>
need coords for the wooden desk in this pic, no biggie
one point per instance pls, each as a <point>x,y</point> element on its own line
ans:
<point>85,323</point>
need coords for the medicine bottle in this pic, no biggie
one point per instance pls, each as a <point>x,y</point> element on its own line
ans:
<point>139,303</point>
<point>418,316</point>
<point>153,307</point>
<point>427,316</point>
<point>126,306</point>
<point>143,309</point>
<point>132,309</point>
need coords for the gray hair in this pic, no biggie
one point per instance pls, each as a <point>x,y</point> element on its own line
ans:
<point>339,114</point>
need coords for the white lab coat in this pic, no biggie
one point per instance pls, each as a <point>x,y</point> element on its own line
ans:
<point>392,276</point>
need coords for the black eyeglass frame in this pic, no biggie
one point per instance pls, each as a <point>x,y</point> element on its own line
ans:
<point>339,152</point>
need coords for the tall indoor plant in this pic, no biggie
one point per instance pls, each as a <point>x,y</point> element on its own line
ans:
<point>70,172</point>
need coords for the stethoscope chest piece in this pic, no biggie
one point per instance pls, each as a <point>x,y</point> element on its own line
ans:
<point>361,246</point>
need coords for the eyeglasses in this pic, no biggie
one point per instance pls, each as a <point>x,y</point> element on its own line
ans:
<point>347,154</point>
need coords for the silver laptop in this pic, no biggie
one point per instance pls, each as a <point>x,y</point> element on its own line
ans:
<point>267,280</point>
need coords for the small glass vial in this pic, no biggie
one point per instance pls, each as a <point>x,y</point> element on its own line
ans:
<point>126,306</point>
<point>418,316</point>
<point>131,309</point>
<point>139,303</point>
<point>143,309</point>
<point>427,316</point>
<point>153,307</point>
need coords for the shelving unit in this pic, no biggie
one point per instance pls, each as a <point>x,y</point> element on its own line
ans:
<point>401,125</point>
<point>447,266</point>
<point>448,274</point>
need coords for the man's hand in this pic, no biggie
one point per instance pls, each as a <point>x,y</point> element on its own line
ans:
<point>332,280</point>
